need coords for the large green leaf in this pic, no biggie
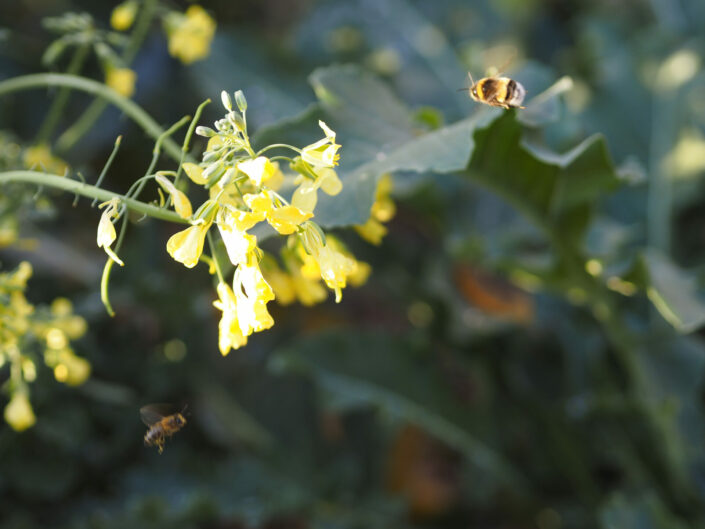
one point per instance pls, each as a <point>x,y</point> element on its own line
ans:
<point>397,381</point>
<point>557,191</point>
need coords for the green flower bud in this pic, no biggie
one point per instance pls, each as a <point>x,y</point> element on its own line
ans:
<point>227,102</point>
<point>241,101</point>
<point>206,132</point>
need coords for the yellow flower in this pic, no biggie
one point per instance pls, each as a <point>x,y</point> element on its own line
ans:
<point>195,173</point>
<point>309,291</point>
<point>106,230</point>
<point>40,157</point>
<point>284,219</point>
<point>258,170</point>
<point>373,231</point>
<point>18,412</point>
<point>229,334</point>
<point>383,209</point>
<point>190,36</point>
<point>186,246</point>
<point>334,265</point>
<point>252,293</point>
<point>323,153</point>
<point>287,218</point>
<point>182,205</point>
<point>306,195</point>
<point>335,268</point>
<point>281,282</point>
<point>122,80</point>
<point>70,369</point>
<point>123,15</point>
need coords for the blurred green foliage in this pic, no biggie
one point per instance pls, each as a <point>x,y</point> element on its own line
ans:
<point>526,352</point>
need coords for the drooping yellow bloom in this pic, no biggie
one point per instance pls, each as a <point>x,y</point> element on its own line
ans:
<point>258,170</point>
<point>40,157</point>
<point>122,80</point>
<point>373,231</point>
<point>106,231</point>
<point>281,282</point>
<point>308,291</point>
<point>335,269</point>
<point>383,209</point>
<point>186,246</point>
<point>190,35</point>
<point>306,195</point>
<point>233,225</point>
<point>252,293</point>
<point>18,412</point>
<point>182,205</point>
<point>229,334</point>
<point>123,15</point>
<point>333,265</point>
<point>323,153</point>
<point>195,173</point>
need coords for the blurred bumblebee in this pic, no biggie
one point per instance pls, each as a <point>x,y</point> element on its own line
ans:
<point>160,424</point>
<point>497,92</point>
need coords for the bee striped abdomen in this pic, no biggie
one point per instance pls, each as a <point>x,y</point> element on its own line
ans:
<point>515,93</point>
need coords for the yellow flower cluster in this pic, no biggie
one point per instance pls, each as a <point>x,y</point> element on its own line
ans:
<point>190,34</point>
<point>22,326</point>
<point>382,210</point>
<point>243,187</point>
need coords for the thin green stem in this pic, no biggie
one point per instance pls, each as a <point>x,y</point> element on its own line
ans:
<point>187,141</point>
<point>211,244</point>
<point>129,107</point>
<point>87,190</point>
<point>107,166</point>
<point>57,107</point>
<point>104,281</point>
<point>84,123</point>
<point>276,146</point>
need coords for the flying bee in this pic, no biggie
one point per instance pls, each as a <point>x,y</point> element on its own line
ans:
<point>497,92</point>
<point>160,424</point>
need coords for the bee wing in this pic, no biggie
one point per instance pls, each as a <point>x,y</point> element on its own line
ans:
<point>152,413</point>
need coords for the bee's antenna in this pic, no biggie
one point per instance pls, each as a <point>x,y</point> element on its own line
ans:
<point>471,81</point>
<point>462,89</point>
<point>184,410</point>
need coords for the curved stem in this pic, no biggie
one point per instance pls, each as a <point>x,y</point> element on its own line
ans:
<point>129,107</point>
<point>277,145</point>
<point>87,190</point>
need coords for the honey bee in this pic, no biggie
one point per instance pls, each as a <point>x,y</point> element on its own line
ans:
<point>497,92</point>
<point>160,425</point>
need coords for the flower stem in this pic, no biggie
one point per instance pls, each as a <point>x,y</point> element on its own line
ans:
<point>211,244</point>
<point>87,190</point>
<point>129,107</point>
<point>276,146</point>
<point>107,166</point>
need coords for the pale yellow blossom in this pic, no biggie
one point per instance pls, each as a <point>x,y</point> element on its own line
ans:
<point>186,246</point>
<point>182,205</point>
<point>122,80</point>
<point>106,231</point>
<point>18,412</point>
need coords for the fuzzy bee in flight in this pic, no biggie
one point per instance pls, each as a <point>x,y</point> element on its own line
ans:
<point>497,92</point>
<point>161,425</point>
